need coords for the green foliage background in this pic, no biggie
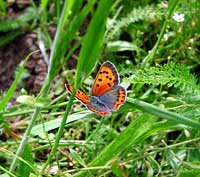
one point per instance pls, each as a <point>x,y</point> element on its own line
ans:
<point>155,47</point>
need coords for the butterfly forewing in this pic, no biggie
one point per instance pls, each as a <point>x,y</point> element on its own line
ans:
<point>106,79</point>
<point>79,94</point>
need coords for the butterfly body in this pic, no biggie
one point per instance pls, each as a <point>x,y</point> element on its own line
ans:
<point>106,94</point>
<point>98,104</point>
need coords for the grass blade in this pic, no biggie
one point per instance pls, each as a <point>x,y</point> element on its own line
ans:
<point>163,113</point>
<point>57,50</point>
<point>55,123</point>
<point>20,22</point>
<point>60,45</point>
<point>93,42</point>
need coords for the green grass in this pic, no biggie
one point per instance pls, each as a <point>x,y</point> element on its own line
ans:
<point>155,133</point>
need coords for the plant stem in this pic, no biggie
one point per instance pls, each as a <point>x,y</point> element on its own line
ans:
<point>60,132</point>
<point>150,56</point>
<point>24,139</point>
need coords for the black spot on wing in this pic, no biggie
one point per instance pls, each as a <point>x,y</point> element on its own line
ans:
<point>109,84</point>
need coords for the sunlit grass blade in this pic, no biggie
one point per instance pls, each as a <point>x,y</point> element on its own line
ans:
<point>74,25</point>
<point>118,46</point>
<point>92,42</point>
<point>62,143</point>
<point>43,4</point>
<point>53,124</point>
<point>57,51</point>
<point>24,139</point>
<point>158,127</point>
<point>7,173</point>
<point>77,157</point>
<point>157,111</point>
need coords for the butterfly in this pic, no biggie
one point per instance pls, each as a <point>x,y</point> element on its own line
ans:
<point>106,94</point>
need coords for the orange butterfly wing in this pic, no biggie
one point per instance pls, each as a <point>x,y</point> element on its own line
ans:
<point>121,98</point>
<point>85,99</point>
<point>79,94</point>
<point>106,79</point>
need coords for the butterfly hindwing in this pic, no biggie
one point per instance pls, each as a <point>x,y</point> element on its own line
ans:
<point>97,111</point>
<point>121,97</point>
<point>114,98</point>
<point>106,79</point>
<point>79,94</point>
